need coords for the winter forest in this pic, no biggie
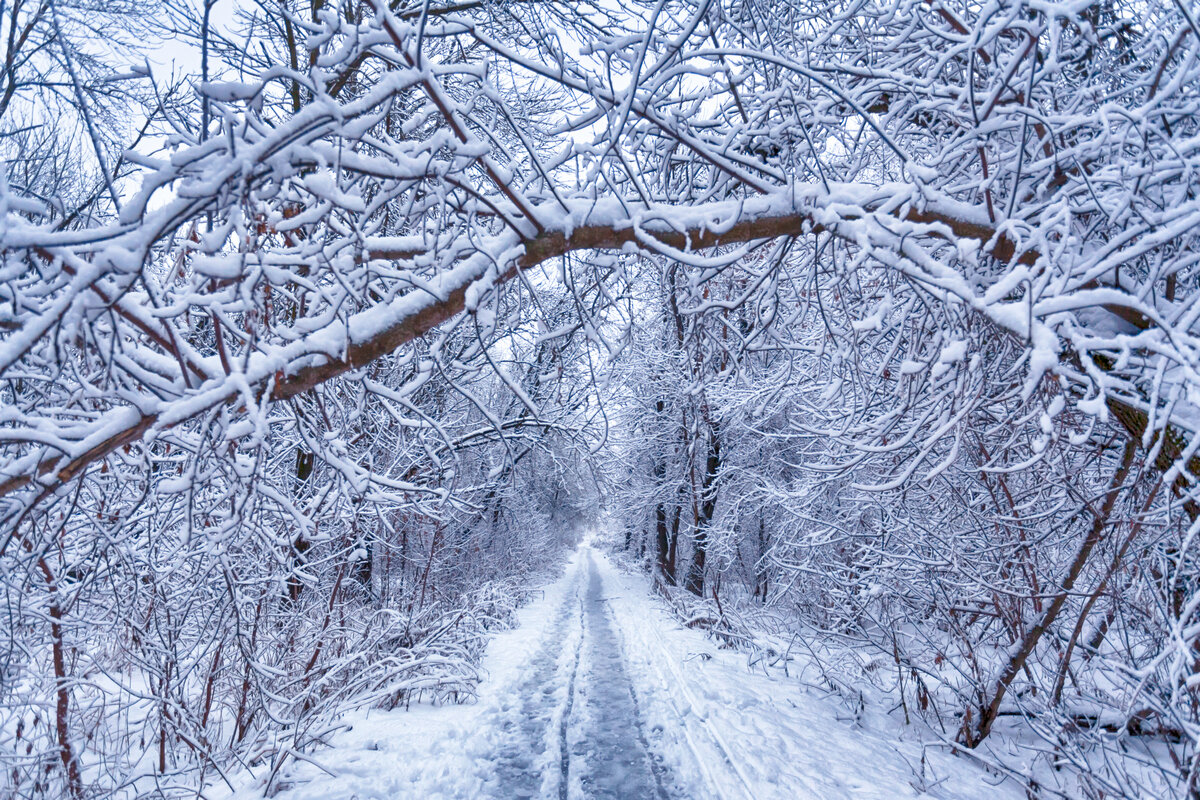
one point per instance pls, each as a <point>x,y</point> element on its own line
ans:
<point>861,337</point>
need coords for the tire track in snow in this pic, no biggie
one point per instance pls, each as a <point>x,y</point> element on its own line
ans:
<point>692,711</point>
<point>564,781</point>
<point>616,762</point>
<point>691,719</point>
<point>577,695</point>
<point>520,764</point>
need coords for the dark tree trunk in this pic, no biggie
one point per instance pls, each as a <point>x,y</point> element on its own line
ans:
<point>62,710</point>
<point>363,568</point>
<point>304,467</point>
<point>664,550</point>
<point>672,544</point>
<point>761,579</point>
<point>708,506</point>
<point>663,544</point>
<point>695,577</point>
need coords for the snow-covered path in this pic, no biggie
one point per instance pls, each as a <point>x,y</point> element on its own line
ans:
<point>603,752</point>
<point>600,693</point>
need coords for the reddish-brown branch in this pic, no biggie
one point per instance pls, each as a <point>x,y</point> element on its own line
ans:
<point>553,244</point>
<point>974,733</point>
<point>62,709</point>
<point>160,339</point>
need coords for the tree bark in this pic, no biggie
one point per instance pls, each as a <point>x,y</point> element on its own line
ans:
<point>662,538</point>
<point>708,505</point>
<point>62,707</point>
<point>304,467</point>
<point>663,544</point>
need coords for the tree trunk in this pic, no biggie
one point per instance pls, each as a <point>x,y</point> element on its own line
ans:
<point>304,467</point>
<point>708,506</point>
<point>663,552</point>
<point>673,543</point>
<point>761,578</point>
<point>62,709</point>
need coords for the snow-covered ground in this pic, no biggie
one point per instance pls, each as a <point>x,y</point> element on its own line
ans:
<point>600,693</point>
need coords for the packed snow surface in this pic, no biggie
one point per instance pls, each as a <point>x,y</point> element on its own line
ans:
<point>600,693</point>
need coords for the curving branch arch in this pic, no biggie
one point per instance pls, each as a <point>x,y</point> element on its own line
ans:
<point>379,331</point>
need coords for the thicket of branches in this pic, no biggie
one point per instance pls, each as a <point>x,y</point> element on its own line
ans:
<point>889,311</point>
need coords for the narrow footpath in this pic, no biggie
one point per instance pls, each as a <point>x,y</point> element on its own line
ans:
<point>602,750</point>
<point>600,693</point>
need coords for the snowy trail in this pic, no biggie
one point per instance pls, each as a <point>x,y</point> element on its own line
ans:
<point>617,757</point>
<point>600,693</point>
<point>602,751</point>
<point>528,722</point>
